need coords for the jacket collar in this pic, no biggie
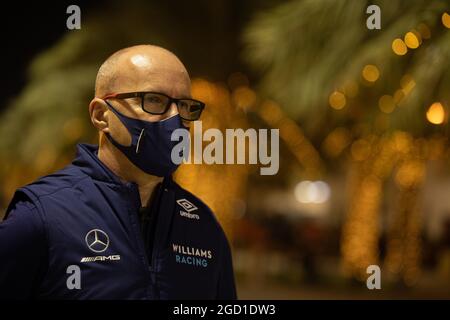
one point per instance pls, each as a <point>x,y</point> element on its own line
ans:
<point>87,160</point>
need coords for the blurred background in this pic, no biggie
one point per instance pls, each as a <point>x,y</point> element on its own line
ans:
<point>363,117</point>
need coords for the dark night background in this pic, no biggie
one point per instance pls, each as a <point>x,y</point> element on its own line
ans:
<point>27,28</point>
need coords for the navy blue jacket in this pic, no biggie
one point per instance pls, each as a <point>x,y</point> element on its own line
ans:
<point>82,221</point>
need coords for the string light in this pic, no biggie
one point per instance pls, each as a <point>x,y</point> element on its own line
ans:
<point>436,113</point>
<point>412,40</point>
<point>370,73</point>
<point>446,20</point>
<point>337,100</point>
<point>386,104</point>
<point>399,47</point>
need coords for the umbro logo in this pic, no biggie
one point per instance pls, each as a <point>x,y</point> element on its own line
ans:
<point>186,205</point>
<point>189,207</point>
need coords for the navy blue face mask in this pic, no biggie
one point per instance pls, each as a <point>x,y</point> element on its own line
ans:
<point>151,144</point>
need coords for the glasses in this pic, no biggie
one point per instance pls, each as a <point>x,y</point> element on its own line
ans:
<point>159,103</point>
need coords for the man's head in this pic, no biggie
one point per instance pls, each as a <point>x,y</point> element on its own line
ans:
<point>139,68</point>
<point>134,69</point>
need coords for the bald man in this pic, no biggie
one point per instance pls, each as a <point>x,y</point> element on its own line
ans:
<point>113,224</point>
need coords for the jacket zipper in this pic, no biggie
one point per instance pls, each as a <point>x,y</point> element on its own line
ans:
<point>140,240</point>
<point>149,264</point>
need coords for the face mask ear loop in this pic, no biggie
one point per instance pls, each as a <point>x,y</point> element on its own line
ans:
<point>139,140</point>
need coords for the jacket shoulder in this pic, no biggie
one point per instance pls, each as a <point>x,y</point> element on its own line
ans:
<point>55,182</point>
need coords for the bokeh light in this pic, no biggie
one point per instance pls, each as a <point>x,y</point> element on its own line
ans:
<point>386,103</point>
<point>370,73</point>
<point>412,40</point>
<point>436,113</point>
<point>399,47</point>
<point>446,20</point>
<point>337,100</point>
<point>312,192</point>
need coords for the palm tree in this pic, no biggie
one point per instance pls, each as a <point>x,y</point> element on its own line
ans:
<point>380,84</point>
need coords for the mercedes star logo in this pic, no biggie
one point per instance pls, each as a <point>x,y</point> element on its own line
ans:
<point>97,240</point>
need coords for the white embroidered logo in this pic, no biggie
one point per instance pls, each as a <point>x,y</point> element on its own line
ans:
<point>189,207</point>
<point>186,205</point>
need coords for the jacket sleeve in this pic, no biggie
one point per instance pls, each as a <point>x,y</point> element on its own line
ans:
<point>226,287</point>
<point>23,251</point>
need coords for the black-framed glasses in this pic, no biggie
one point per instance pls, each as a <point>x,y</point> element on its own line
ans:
<point>159,103</point>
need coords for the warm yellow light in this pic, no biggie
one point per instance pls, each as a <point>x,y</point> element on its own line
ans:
<point>402,141</point>
<point>399,47</point>
<point>336,141</point>
<point>436,113</point>
<point>370,73</point>
<point>446,20</point>
<point>337,100</point>
<point>203,90</point>
<point>412,40</point>
<point>409,174</point>
<point>386,104</point>
<point>360,150</point>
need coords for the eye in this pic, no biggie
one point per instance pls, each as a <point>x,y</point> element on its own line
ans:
<point>183,104</point>
<point>154,99</point>
<point>195,107</point>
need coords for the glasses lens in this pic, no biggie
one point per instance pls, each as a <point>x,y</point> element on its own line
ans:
<point>155,103</point>
<point>190,109</point>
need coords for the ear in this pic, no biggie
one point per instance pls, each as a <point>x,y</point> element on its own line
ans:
<point>98,111</point>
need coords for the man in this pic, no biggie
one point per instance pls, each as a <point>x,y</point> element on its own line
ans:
<point>113,224</point>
